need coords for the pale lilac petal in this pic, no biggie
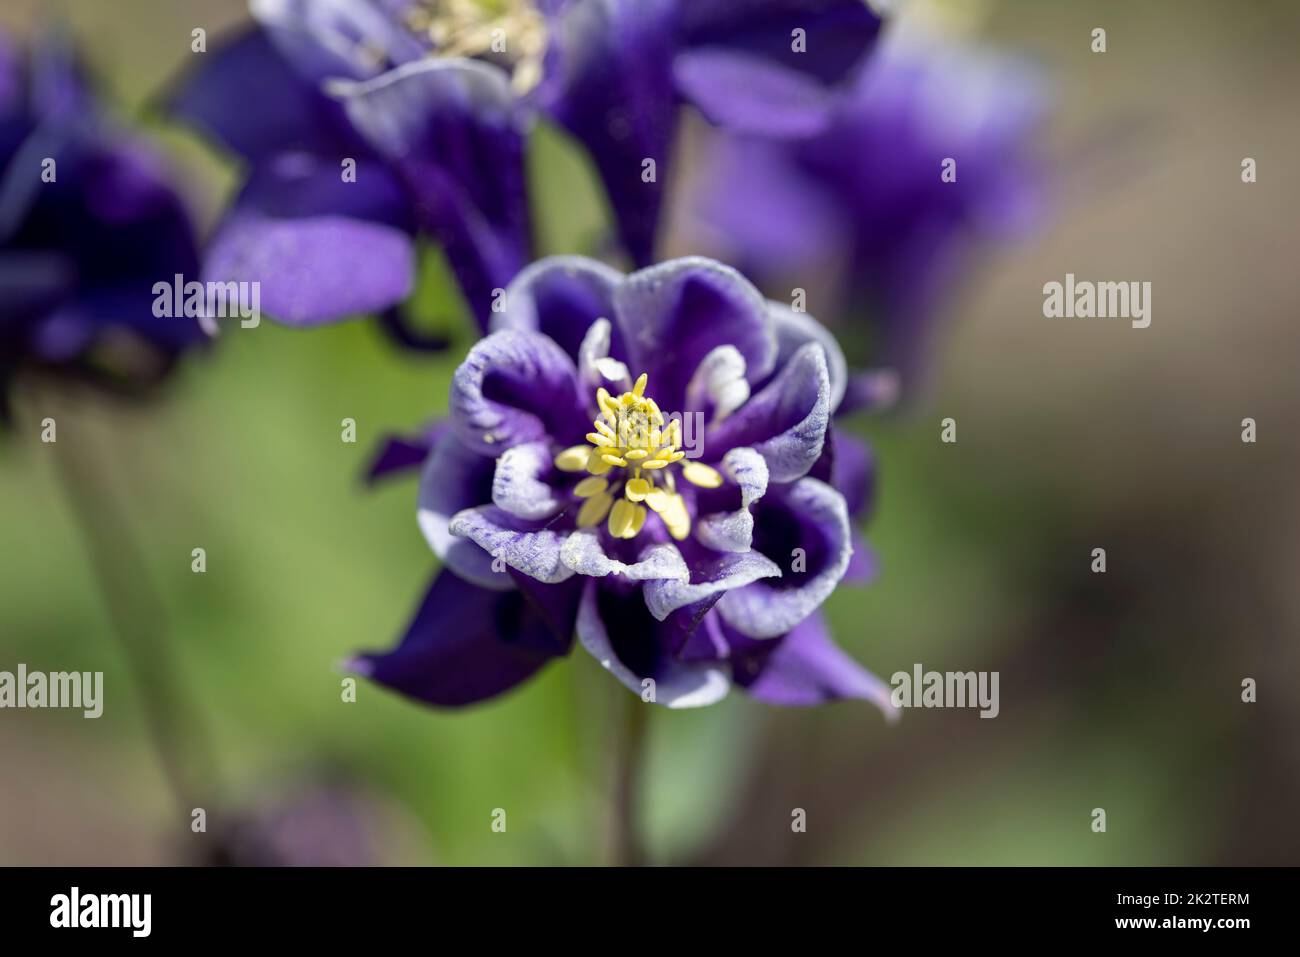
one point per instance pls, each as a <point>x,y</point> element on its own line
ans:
<point>517,486</point>
<point>528,547</point>
<point>583,553</point>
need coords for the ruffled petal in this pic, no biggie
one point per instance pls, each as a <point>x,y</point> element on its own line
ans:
<point>804,528</point>
<point>786,421</point>
<point>583,553</point>
<point>794,330</point>
<point>529,547</point>
<point>516,387</point>
<point>618,632</point>
<point>560,296</point>
<point>734,531</point>
<point>708,581</point>
<point>673,315</point>
<point>751,94</point>
<point>517,485</point>
<point>464,645</point>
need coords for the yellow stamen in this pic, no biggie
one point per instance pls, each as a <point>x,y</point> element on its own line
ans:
<point>637,489</point>
<point>697,473</point>
<point>592,485</point>
<point>621,517</point>
<point>595,509</point>
<point>573,459</point>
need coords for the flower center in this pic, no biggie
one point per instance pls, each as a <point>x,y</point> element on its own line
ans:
<point>629,465</point>
<point>509,33</point>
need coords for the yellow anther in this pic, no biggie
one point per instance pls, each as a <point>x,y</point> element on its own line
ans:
<point>633,455</point>
<point>637,489</point>
<point>595,509</point>
<point>621,517</point>
<point>591,485</point>
<point>697,473</point>
<point>596,464</point>
<point>595,438</point>
<point>638,390</point>
<point>573,459</point>
<point>614,460</point>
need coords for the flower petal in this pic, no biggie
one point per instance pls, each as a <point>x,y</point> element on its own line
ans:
<point>786,421</point>
<point>464,645</point>
<point>454,130</point>
<point>560,296</point>
<point>751,94</point>
<point>456,478</point>
<point>336,38</point>
<point>529,547</point>
<point>805,529</point>
<point>734,531</point>
<point>673,315</point>
<point>804,667</point>
<point>615,94</point>
<point>400,453</point>
<point>583,553</point>
<point>793,330</point>
<point>708,581</point>
<point>516,387</point>
<point>634,649</point>
<point>517,486</point>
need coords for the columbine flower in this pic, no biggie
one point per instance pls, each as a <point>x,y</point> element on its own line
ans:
<point>621,68</point>
<point>88,224</point>
<point>645,462</point>
<point>436,139</point>
<point>862,204</point>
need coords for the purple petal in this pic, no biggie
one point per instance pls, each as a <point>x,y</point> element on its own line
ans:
<point>464,645</point>
<point>804,528</point>
<point>786,421</point>
<point>529,547</point>
<point>308,269</point>
<point>401,453</point>
<point>456,478</point>
<point>454,130</point>
<point>614,92</point>
<point>752,95</point>
<point>560,296</point>
<point>637,650</point>
<point>804,667</point>
<point>708,581</point>
<point>793,330</point>
<point>734,531</point>
<point>516,387</point>
<point>337,38</point>
<point>251,100</point>
<point>673,315</point>
<point>853,472</point>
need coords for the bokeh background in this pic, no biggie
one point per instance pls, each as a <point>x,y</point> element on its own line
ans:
<point>1119,691</point>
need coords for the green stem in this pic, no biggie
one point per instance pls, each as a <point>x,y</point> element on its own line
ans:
<point>628,766</point>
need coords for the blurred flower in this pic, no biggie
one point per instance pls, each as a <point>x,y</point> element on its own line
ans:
<point>560,497</point>
<point>88,223</point>
<point>357,138</point>
<point>866,191</point>
<point>620,69</point>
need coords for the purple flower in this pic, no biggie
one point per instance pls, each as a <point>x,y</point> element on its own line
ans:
<point>620,68</point>
<point>357,138</point>
<point>859,212</point>
<point>88,224</point>
<point>644,461</point>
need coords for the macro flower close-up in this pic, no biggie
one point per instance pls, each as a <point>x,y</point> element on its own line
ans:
<point>647,462</point>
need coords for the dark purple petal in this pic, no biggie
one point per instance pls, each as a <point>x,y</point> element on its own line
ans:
<point>752,95</point>
<point>864,566</point>
<point>251,100</point>
<point>804,529</point>
<point>636,648</point>
<point>402,453</point>
<point>560,296</point>
<point>871,390</point>
<point>516,387</point>
<point>454,130</point>
<point>338,38</point>
<point>804,667</point>
<point>456,478</point>
<point>786,421</point>
<point>614,92</point>
<point>464,645</point>
<point>673,315</point>
<point>839,33</point>
<point>709,580</point>
<point>853,472</point>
